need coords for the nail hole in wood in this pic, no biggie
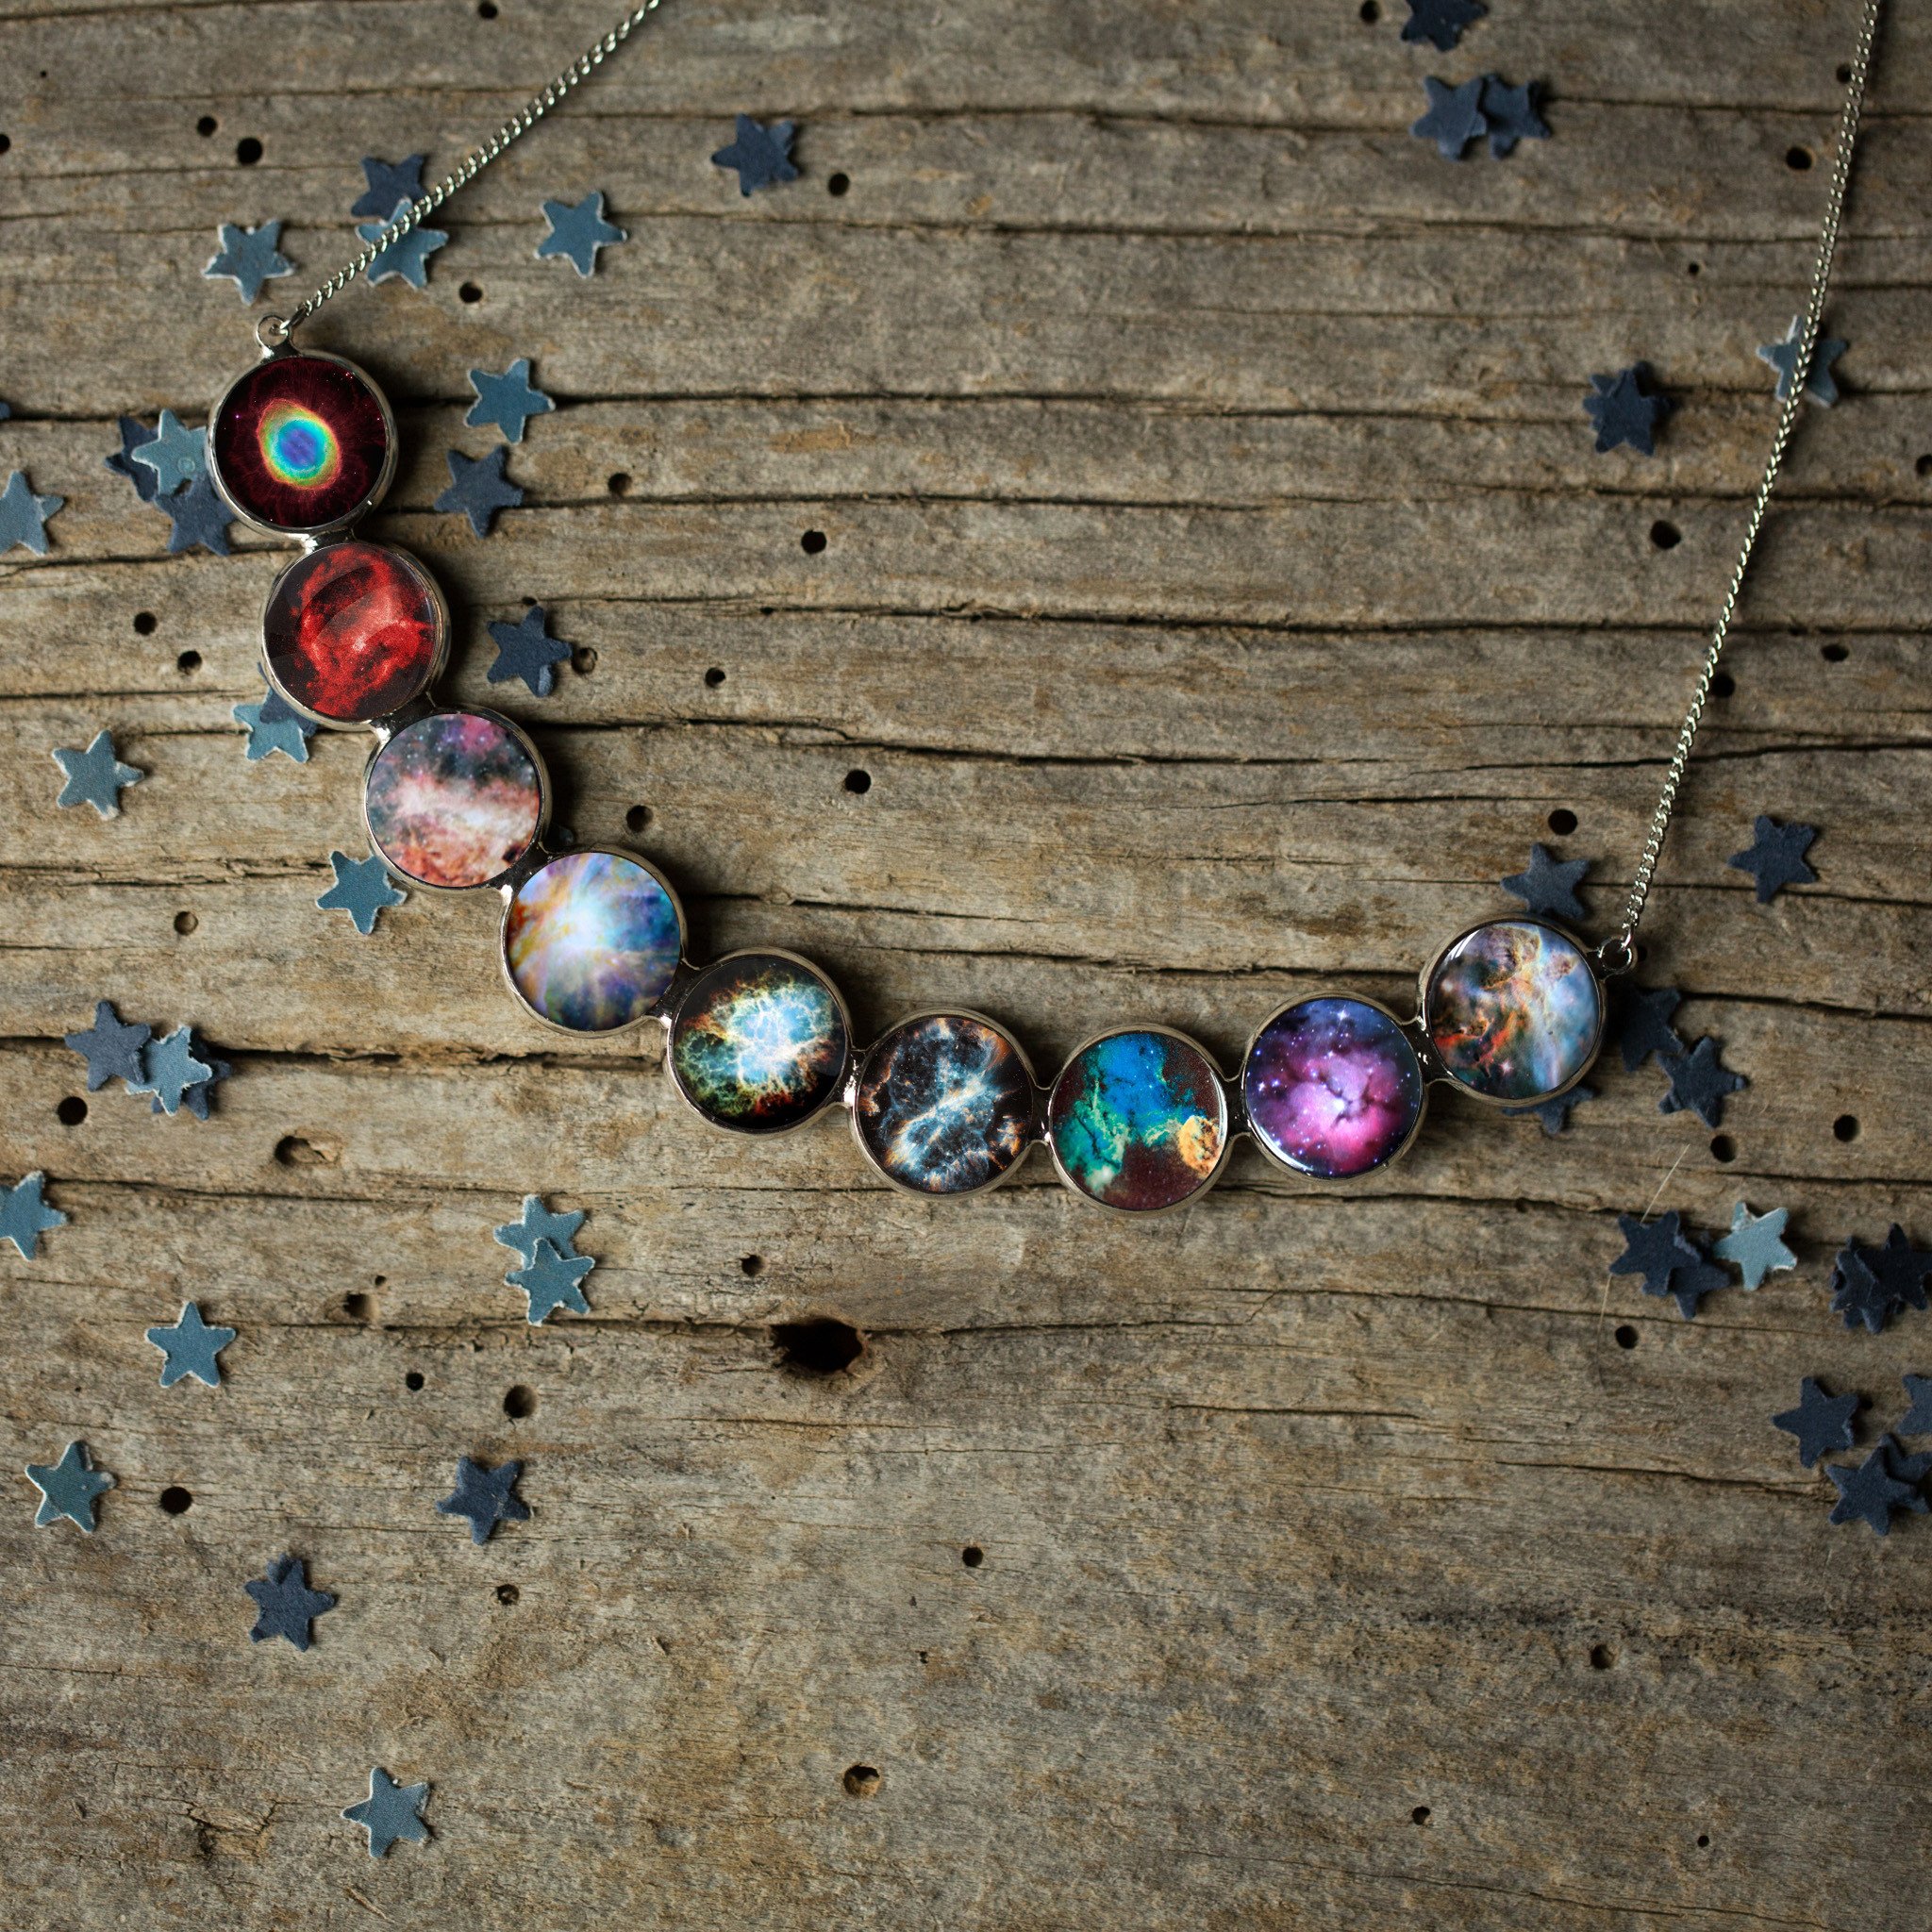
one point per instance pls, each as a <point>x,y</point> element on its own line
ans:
<point>176,1500</point>
<point>817,1344</point>
<point>973,1556</point>
<point>1693,268</point>
<point>861,1781</point>
<point>714,677</point>
<point>145,624</point>
<point>185,922</point>
<point>360,1307</point>
<point>519,1403</point>
<point>617,482</point>
<point>1722,685</point>
<point>1703,1840</point>
<point>1798,158</point>
<point>858,782</point>
<point>470,293</point>
<point>247,151</point>
<point>1844,73</point>
<point>206,125</point>
<point>1723,1147</point>
<point>189,661</point>
<point>812,542</point>
<point>583,661</point>
<point>1626,1336</point>
<point>1420,1815</point>
<point>291,1150</point>
<point>637,818</point>
<point>1834,654</point>
<point>838,184</point>
<point>1601,1656</point>
<point>508,1595</point>
<point>1562,822</point>
<point>1371,12</point>
<point>1665,535</point>
<point>751,1265</point>
<point>1924,466</point>
<point>1845,1128</point>
<point>6,142</point>
<point>414,1380</point>
<point>485,10</point>
<point>71,1112</point>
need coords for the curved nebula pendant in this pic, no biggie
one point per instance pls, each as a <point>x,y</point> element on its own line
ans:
<point>455,799</point>
<point>1333,1087</point>
<point>759,1042</point>
<point>1136,1119</point>
<point>301,444</point>
<point>591,941</point>
<point>943,1103</point>
<point>1513,1010</point>
<point>353,631</point>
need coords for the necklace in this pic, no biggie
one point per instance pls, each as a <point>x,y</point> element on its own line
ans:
<point>1139,1118</point>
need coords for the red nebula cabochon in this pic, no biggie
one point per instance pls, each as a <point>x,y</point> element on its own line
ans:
<point>302,443</point>
<point>352,631</point>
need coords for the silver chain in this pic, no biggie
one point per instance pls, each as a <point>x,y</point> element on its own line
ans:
<point>1619,950</point>
<point>272,331</point>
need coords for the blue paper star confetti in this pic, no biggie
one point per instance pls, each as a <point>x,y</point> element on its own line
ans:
<point>761,155</point>
<point>478,489</point>
<point>196,1097</point>
<point>1645,1027</point>
<point>250,257</point>
<point>175,453</point>
<point>536,1225</point>
<point>577,231</point>
<point>134,432</point>
<point>1657,1251</point>
<point>1454,118</point>
<point>1691,1285</point>
<point>112,1047</point>
<point>362,889</point>
<point>526,650</point>
<point>388,183</point>
<point>1555,1112</point>
<point>23,515</point>
<point>190,1348</point>
<point>1918,1418</point>
<point>68,1487</point>
<point>1754,1244</point>
<point>199,516</point>
<point>24,1217</point>
<point>1870,1283</point>
<point>485,1496</point>
<point>390,1811</point>
<point>95,776</point>
<point>273,727</point>
<point>1777,859</point>
<point>405,259</point>
<point>1870,1493</point>
<point>1821,1422</point>
<point>1511,115</point>
<point>286,1606</point>
<point>1909,1469</point>
<point>1625,410</point>
<point>1549,885</point>
<point>1783,357</point>
<point>550,1280</point>
<point>1440,22</point>
<point>170,1069</point>
<point>508,400</point>
<point>1699,1082</point>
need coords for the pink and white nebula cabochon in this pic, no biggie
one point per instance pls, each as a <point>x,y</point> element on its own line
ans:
<point>1333,1088</point>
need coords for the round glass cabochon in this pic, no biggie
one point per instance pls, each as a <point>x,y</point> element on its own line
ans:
<point>591,940</point>
<point>1333,1088</point>
<point>455,799</point>
<point>301,442</point>
<point>944,1104</point>
<point>1138,1121</point>
<point>353,631</point>
<point>759,1042</point>
<point>1513,1010</point>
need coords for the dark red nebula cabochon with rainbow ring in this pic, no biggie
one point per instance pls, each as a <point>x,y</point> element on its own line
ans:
<point>301,442</point>
<point>353,631</point>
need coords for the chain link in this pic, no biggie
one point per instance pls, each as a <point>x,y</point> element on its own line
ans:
<point>1620,951</point>
<point>272,331</point>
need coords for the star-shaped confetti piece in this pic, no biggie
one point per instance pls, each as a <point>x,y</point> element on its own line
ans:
<point>1909,1469</point>
<point>1644,1027</point>
<point>550,1280</point>
<point>362,889</point>
<point>1783,357</point>
<point>134,432</point>
<point>1918,1418</point>
<point>538,1226</point>
<point>199,516</point>
<point>1656,1250</point>
<point>1454,118</point>
<point>1821,1422</point>
<point>250,257</point>
<point>286,1606</point>
<point>1553,1114</point>
<point>1511,114</point>
<point>190,1348</point>
<point>1857,1295</point>
<point>1699,1082</point>
<point>68,1487</point>
<point>1624,410</point>
<point>112,1047</point>
<point>761,155</point>
<point>508,400</point>
<point>195,1098</point>
<point>273,727</point>
<point>1548,886</point>
<point>388,183</point>
<point>478,489</point>
<point>170,1069</point>
<point>1440,22</point>
<point>1754,1244</point>
<point>1897,1268</point>
<point>485,1496</point>
<point>23,515</point>
<point>95,776</point>
<point>405,259</point>
<point>24,1217</point>
<point>526,650</point>
<point>1870,1493</point>
<point>577,231</point>
<point>390,1811</point>
<point>177,453</point>
<point>1776,860</point>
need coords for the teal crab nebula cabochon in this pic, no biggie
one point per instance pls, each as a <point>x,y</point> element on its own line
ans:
<point>759,1042</point>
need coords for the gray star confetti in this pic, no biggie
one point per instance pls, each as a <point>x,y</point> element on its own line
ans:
<point>273,727</point>
<point>1870,1493</point>
<point>190,1348</point>
<point>1549,885</point>
<point>1454,118</point>
<point>195,1099</point>
<point>577,231</point>
<point>95,776</point>
<point>478,489</point>
<point>390,1811</point>
<point>1897,1267</point>
<point>1909,1469</point>
<point>1555,1112</point>
<point>24,1217</point>
<point>1624,410</point>
<point>485,1496</point>
<point>761,155</point>
<point>1857,1295</point>
<point>1821,1422</point>
<point>112,1047</point>
<point>170,1069</point>
<point>134,433</point>
<point>1783,357</point>
<point>199,516</point>
<point>537,1226</point>
<point>1754,1246</point>
<point>68,1487</point>
<point>405,259</point>
<point>362,888</point>
<point>250,257</point>
<point>287,1606</point>
<point>1918,1420</point>
<point>527,650</point>
<point>1646,1028</point>
<point>1440,22</point>
<point>1688,1287</point>
<point>1776,860</point>
<point>389,182</point>
<point>507,400</point>
<point>551,1281</point>
<point>1657,1251</point>
<point>1698,1082</point>
<point>175,453</point>
<point>23,515</point>
<point>1511,114</point>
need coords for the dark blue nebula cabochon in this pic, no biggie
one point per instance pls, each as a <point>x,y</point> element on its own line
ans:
<point>759,1042</point>
<point>944,1104</point>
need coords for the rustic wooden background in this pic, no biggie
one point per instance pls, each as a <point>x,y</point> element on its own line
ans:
<point>1220,592</point>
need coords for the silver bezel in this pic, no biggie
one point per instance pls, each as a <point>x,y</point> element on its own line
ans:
<point>385,737</point>
<point>1035,1121</point>
<point>1434,1065</point>
<point>307,532</point>
<point>1228,1117</point>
